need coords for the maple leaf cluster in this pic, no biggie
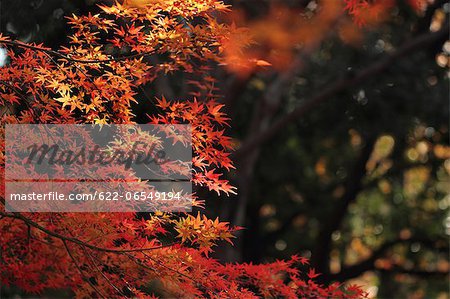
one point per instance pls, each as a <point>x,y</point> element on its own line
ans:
<point>95,79</point>
<point>209,141</point>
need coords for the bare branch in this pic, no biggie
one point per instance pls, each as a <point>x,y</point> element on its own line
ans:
<point>369,263</point>
<point>341,85</point>
<point>334,220</point>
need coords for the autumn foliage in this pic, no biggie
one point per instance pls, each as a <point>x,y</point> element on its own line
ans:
<point>96,79</point>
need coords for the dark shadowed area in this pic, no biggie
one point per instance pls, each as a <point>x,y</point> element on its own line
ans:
<point>341,133</point>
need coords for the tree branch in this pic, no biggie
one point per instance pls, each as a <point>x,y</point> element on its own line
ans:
<point>369,263</point>
<point>334,220</point>
<point>341,85</point>
<point>415,272</point>
<point>75,240</point>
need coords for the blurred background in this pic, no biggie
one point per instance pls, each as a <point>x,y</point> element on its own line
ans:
<point>341,132</point>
